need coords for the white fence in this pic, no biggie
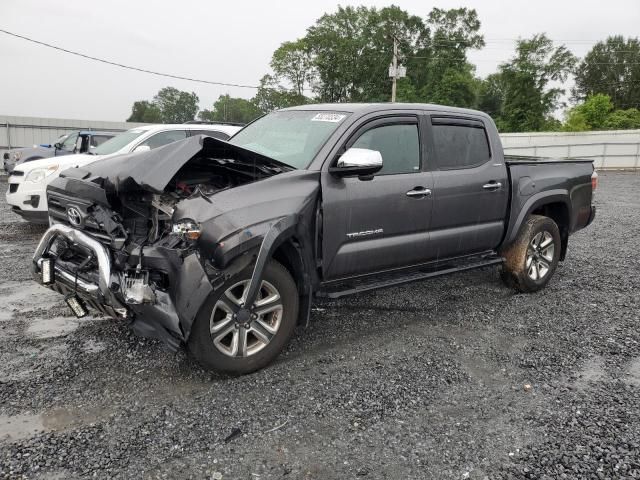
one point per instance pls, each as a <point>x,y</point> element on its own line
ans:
<point>615,149</point>
<point>618,149</point>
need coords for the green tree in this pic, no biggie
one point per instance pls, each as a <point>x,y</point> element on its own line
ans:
<point>406,91</point>
<point>598,113</point>
<point>231,109</point>
<point>623,119</point>
<point>590,115</point>
<point>611,67</point>
<point>145,112</point>
<point>169,105</point>
<point>352,48</point>
<point>575,122</point>
<point>456,87</point>
<point>491,95</point>
<point>272,96</point>
<point>292,61</point>
<point>176,106</point>
<point>345,57</point>
<point>448,77</point>
<point>528,98</point>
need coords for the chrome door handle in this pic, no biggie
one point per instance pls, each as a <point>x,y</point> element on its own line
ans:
<point>492,186</point>
<point>419,192</point>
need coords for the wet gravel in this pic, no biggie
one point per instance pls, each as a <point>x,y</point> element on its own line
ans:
<point>423,381</point>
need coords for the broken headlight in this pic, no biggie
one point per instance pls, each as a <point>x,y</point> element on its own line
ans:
<point>187,229</point>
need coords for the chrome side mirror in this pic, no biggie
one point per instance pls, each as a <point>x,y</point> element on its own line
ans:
<point>358,161</point>
<point>142,148</point>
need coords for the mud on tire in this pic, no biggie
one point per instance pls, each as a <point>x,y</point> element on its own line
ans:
<point>532,259</point>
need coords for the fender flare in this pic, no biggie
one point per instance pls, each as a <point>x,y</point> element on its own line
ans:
<point>279,231</point>
<point>538,200</point>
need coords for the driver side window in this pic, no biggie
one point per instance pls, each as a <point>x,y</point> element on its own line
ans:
<point>398,144</point>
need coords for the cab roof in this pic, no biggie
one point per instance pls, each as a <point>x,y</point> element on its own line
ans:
<point>228,129</point>
<point>97,132</point>
<point>363,108</point>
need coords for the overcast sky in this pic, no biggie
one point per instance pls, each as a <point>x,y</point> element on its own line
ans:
<point>228,42</point>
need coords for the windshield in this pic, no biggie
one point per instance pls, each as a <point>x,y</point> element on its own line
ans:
<point>116,143</point>
<point>293,137</point>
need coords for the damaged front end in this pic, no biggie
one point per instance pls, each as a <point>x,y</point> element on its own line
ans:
<point>133,236</point>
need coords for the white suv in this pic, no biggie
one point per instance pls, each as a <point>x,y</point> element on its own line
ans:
<point>28,182</point>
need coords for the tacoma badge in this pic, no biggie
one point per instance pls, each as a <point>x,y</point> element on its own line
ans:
<point>365,233</point>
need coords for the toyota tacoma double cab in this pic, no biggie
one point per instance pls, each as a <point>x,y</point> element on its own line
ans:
<point>223,246</point>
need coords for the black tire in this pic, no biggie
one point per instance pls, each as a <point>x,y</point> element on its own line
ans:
<point>523,260</point>
<point>201,341</point>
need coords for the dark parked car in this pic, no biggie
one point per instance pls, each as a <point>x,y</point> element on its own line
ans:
<point>224,245</point>
<point>76,142</point>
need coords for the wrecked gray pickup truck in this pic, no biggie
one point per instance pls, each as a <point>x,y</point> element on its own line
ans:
<point>223,246</point>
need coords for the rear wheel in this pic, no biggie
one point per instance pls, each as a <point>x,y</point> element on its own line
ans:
<point>532,259</point>
<point>228,337</point>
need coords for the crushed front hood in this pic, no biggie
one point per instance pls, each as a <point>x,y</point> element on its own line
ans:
<point>154,169</point>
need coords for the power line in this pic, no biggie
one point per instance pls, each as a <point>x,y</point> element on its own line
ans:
<point>128,67</point>
<point>368,54</point>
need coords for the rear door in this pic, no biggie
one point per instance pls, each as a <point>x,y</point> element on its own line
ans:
<point>470,187</point>
<point>372,225</point>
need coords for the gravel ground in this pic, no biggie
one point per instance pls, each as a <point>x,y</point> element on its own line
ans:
<point>423,381</point>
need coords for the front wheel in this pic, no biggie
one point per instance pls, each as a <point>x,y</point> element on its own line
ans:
<point>532,259</point>
<point>232,338</point>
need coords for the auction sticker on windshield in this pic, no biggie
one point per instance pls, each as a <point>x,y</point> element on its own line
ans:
<point>328,117</point>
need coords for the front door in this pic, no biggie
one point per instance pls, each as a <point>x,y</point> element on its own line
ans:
<point>68,146</point>
<point>380,223</point>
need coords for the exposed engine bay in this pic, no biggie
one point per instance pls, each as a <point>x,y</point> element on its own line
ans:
<point>146,217</point>
<point>115,228</point>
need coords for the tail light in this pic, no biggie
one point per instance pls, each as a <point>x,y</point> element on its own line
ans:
<point>594,182</point>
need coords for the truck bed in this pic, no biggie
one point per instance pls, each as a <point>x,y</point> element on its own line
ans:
<point>526,159</point>
<point>561,184</point>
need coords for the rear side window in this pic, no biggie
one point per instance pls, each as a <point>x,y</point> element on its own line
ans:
<point>399,146</point>
<point>460,146</point>
<point>210,133</point>
<point>164,138</point>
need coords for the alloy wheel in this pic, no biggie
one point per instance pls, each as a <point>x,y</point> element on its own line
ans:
<point>540,255</point>
<point>239,331</point>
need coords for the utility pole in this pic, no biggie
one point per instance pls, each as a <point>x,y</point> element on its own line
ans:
<point>395,69</point>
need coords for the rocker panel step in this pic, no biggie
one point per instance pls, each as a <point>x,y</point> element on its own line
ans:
<point>407,278</point>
